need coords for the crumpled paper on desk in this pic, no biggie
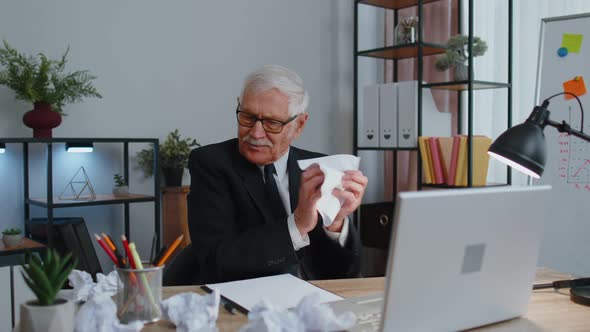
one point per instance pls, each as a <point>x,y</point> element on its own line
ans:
<point>333,167</point>
<point>309,316</point>
<point>191,312</point>
<point>99,314</point>
<point>85,288</point>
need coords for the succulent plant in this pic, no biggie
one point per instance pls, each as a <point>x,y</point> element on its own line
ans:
<point>120,180</point>
<point>12,231</point>
<point>46,276</point>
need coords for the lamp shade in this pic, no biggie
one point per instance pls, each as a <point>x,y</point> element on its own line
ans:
<point>523,148</point>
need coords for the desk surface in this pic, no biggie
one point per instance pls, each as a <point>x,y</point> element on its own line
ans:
<point>549,310</point>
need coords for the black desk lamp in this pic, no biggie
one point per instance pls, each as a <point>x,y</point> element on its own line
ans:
<point>523,147</point>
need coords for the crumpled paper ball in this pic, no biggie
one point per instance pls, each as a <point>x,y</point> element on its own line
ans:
<point>99,314</point>
<point>309,316</point>
<point>191,312</point>
<point>84,288</point>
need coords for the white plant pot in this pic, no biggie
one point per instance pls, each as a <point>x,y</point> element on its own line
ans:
<point>12,240</point>
<point>54,318</point>
<point>121,191</point>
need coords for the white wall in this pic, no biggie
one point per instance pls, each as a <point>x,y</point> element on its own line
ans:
<point>163,65</point>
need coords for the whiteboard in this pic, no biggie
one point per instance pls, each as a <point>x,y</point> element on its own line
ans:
<point>566,245</point>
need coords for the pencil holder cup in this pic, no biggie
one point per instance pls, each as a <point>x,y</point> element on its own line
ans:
<point>140,293</point>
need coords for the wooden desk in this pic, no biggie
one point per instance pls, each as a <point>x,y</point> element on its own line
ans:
<point>549,310</point>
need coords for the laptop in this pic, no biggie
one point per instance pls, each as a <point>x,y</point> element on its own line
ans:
<point>458,259</point>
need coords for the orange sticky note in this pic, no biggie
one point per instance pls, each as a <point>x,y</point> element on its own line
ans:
<point>575,86</point>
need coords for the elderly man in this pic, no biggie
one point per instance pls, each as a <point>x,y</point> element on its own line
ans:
<point>251,210</point>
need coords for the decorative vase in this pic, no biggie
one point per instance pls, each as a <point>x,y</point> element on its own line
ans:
<point>461,72</point>
<point>122,191</point>
<point>58,317</point>
<point>12,240</point>
<point>42,119</point>
<point>173,176</point>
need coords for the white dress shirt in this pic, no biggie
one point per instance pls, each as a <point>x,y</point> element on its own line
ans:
<point>282,180</point>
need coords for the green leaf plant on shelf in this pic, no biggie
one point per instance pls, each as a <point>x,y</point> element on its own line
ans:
<point>12,237</point>
<point>457,55</point>
<point>44,83</point>
<point>121,188</point>
<point>174,153</point>
<point>45,277</point>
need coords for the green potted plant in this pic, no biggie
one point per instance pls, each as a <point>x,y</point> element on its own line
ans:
<point>12,237</point>
<point>44,83</point>
<point>457,55</point>
<point>45,277</point>
<point>121,188</point>
<point>173,159</point>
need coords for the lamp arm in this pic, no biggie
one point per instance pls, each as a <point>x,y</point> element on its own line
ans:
<point>546,103</point>
<point>564,127</point>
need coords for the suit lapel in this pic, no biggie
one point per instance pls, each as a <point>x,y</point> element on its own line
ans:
<point>253,183</point>
<point>294,177</point>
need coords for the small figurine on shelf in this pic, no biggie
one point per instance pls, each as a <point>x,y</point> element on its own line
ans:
<point>406,31</point>
<point>121,188</point>
<point>12,237</point>
<point>457,55</point>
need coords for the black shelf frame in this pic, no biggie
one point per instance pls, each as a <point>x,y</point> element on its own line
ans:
<point>50,204</point>
<point>419,50</point>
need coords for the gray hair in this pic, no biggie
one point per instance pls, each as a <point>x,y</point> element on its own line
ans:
<point>283,79</point>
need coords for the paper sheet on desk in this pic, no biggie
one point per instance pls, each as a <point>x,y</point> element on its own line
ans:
<point>283,291</point>
<point>333,168</point>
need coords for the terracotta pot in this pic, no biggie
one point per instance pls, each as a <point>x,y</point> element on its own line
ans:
<point>54,318</point>
<point>42,119</point>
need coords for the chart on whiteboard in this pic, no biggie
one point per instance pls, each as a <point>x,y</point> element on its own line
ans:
<point>575,155</point>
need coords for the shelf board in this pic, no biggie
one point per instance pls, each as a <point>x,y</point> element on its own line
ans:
<point>100,200</point>
<point>394,4</point>
<point>26,245</point>
<point>386,149</point>
<point>76,140</point>
<point>464,85</point>
<point>403,51</point>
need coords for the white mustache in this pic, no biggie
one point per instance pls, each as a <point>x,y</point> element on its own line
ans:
<point>258,142</point>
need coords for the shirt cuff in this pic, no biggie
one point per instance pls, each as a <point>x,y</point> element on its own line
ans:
<point>298,240</point>
<point>339,236</point>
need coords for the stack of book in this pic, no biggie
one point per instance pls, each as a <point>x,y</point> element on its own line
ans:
<point>444,160</point>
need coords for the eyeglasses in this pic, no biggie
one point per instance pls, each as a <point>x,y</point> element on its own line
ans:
<point>269,125</point>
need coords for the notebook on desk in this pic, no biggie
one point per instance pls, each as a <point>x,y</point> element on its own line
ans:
<point>458,259</point>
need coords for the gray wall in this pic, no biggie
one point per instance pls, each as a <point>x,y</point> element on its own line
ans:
<point>163,65</point>
<point>166,65</point>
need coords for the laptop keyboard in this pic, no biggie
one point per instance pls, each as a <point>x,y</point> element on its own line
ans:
<point>368,322</point>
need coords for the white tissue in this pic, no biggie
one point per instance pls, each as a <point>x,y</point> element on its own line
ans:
<point>85,288</point>
<point>191,312</point>
<point>99,314</point>
<point>309,315</point>
<point>333,167</point>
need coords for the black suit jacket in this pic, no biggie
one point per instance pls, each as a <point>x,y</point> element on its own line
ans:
<point>233,232</point>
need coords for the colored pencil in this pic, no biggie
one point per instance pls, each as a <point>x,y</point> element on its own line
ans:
<point>170,250</point>
<point>107,249</point>
<point>128,252</point>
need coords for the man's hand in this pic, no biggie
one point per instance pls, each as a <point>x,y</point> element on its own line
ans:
<point>354,184</point>
<point>306,216</point>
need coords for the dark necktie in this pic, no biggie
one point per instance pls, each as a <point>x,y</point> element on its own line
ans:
<point>272,192</point>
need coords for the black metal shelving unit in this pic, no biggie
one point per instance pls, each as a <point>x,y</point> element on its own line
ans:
<point>50,202</point>
<point>419,50</point>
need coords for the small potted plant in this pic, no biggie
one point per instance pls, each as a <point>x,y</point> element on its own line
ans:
<point>44,83</point>
<point>406,31</point>
<point>12,237</point>
<point>121,188</point>
<point>174,155</point>
<point>457,55</point>
<point>45,277</point>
